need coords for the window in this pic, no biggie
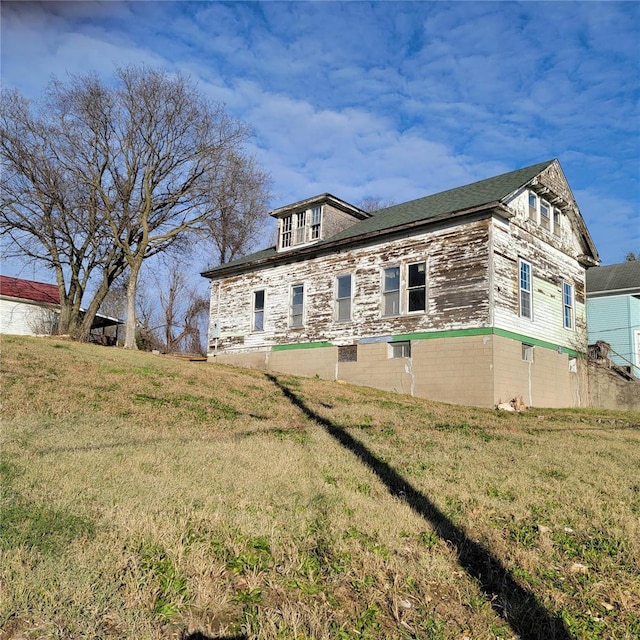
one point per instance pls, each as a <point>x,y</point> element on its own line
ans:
<point>258,310</point>
<point>301,220</point>
<point>348,353</point>
<point>300,227</point>
<point>527,352</point>
<point>556,222</point>
<point>316,220</point>
<point>417,286</point>
<point>524,282</point>
<point>391,291</point>
<point>567,305</point>
<point>400,349</point>
<point>297,305</point>
<point>287,224</point>
<point>343,298</point>
<point>545,215</point>
<point>533,206</point>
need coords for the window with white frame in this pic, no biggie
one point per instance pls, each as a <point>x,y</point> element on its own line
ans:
<point>556,221</point>
<point>300,227</point>
<point>296,316</point>
<point>417,286</point>
<point>525,289</point>
<point>541,212</point>
<point>533,206</point>
<point>527,352</point>
<point>258,310</point>
<point>567,305</point>
<point>545,215</point>
<point>316,221</point>
<point>400,349</point>
<point>286,236</point>
<point>391,291</point>
<point>343,298</point>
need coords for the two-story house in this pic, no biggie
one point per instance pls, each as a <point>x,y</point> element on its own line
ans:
<point>474,295</point>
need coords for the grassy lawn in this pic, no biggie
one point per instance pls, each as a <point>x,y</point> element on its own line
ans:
<point>148,497</point>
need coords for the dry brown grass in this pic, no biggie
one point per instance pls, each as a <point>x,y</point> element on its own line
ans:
<point>148,497</point>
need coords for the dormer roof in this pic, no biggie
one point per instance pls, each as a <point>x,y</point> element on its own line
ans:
<point>315,201</point>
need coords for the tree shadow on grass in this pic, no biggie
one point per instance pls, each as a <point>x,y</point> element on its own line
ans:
<point>511,601</point>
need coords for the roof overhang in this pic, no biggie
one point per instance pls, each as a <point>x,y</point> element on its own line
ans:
<point>315,201</point>
<point>493,208</point>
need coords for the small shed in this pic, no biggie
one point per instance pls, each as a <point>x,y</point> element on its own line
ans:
<point>32,308</point>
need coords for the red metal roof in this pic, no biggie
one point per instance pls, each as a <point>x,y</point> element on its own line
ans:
<point>29,290</point>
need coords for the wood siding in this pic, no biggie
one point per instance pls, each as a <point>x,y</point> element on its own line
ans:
<point>550,268</point>
<point>457,259</point>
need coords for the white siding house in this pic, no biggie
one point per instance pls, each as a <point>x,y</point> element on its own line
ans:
<point>474,295</point>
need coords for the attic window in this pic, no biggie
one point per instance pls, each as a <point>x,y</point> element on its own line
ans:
<point>299,228</point>
<point>533,206</point>
<point>545,215</point>
<point>556,222</point>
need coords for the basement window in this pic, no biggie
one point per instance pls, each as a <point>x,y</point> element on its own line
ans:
<point>400,349</point>
<point>348,353</point>
<point>527,352</point>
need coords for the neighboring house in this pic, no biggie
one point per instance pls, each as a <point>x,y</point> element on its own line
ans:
<point>32,308</point>
<point>613,311</point>
<point>474,295</point>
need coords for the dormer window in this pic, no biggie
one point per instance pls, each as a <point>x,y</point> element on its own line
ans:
<point>300,228</point>
<point>316,221</point>
<point>287,224</point>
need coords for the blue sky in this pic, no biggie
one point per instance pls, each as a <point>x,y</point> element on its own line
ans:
<point>389,99</point>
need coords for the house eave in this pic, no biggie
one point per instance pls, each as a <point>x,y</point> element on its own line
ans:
<point>497,208</point>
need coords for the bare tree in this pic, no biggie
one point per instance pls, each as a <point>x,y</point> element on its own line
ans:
<point>176,323</point>
<point>239,207</point>
<point>115,174</point>
<point>371,204</point>
<point>49,209</point>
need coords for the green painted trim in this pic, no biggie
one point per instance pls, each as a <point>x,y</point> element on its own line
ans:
<point>454,333</point>
<point>484,331</point>
<point>534,341</point>
<point>301,345</point>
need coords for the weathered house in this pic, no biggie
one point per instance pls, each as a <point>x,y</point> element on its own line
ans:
<point>33,308</point>
<point>474,295</point>
<point>613,311</point>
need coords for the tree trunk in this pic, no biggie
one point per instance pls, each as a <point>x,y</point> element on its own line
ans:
<point>131,321</point>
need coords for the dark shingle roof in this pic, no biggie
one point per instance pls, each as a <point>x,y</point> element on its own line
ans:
<point>450,201</point>
<point>614,277</point>
<point>470,196</point>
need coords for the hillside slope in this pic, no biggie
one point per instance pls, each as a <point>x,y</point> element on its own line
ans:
<point>148,497</point>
